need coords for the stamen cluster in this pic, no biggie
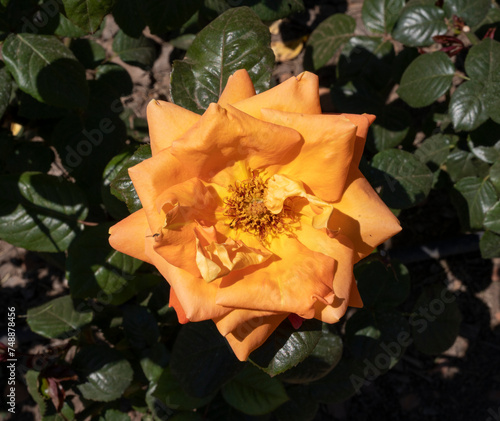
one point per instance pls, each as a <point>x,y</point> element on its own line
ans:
<point>246,208</point>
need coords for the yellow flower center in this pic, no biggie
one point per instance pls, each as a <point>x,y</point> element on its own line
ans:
<point>247,211</point>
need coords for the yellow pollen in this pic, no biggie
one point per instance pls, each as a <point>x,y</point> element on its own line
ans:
<point>246,210</point>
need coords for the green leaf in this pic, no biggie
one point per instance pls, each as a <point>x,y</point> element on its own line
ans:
<point>489,154</point>
<point>426,79</point>
<point>329,37</point>
<point>32,384</point>
<point>434,150</point>
<point>202,360</point>
<point>379,16</point>
<point>483,61</point>
<point>391,127</point>
<point>88,52</point>
<point>235,40</point>
<point>269,11</point>
<point>381,286</point>
<point>87,14</point>
<point>114,415</point>
<point>5,89</point>
<point>153,361</point>
<point>95,270</point>
<point>107,372</point>
<point>115,207</point>
<point>435,320</point>
<point>462,164</point>
<point>253,392</point>
<point>163,16</point>
<point>495,176</point>
<point>67,413</point>
<point>47,70</point>
<point>471,11</point>
<point>491,101</point>
<point>287,346</point>
<point>140,326</point>
<point>30,156</point>
<point>66,28</point>
<point>40,212</point>
<point>403,179</point>
<point>324,357</point>
<point>122,186</point>
<point>490,245</point>
<point>58,318</point>
<point>130,16</point>
<point>492,219</point>
<point>480,196</point>
<point>170,393</point>
<point>300,406</point>
<point>467,109</point>
<point>139,51</point>
<point>418,24</point>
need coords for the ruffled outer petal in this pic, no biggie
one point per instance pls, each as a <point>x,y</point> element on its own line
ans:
<point>239,86</point>
<point>129,235</point>
<point>221,138</point>
<point>296,95</point>
<point>325,157</point>
<point>363,122</point>
<point>283,283</point>
<point>176,305</point>
<point>249,336</point>
<point>167,122</point>
<point>195,296</point>
<point>362,216</point>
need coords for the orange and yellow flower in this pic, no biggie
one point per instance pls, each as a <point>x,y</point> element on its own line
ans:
<point>255,210</point>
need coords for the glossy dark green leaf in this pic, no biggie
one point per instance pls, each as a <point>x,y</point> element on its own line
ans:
<point>105,371</point>
<point>269,11</point>
<point>162,17</point>
<point>489,154</point>
<point>47,70</point>
<point>426,79</point>
<point>5,89</point>
<point>467,108</point>
<point>140,327</point>
<point>435,320</point>
<point>287,346</point>
<point>87,14</point>
<point>115,207</point>
<point>381,286</point>
<point>495,176</point>
<point>471,11</point>
<point>391,127</point>
<point>379,16</point>
<point>403,179</point>
<point>356,96</point>
<point>254,392</point>
<point>492,219</point>
<point>324,357</point>
<point>490,245</point>
<point>40,212</point>
<point>483,61</point>
<point>169,392</point>
<point>202,360</point>
<point>434,150</point>
<point>153,361</point>
<point>462,164</point>
<point>140,51</point>
<point>235,40</point>
<point>88,52</point>
<point>58,318</point>
<point>114,415</point>
<point>95,270</point>
<point>66,28</point>
<point>418,24</point>
<point>300,406</point>
<point>122,186</point>
<point>480,196</point>
<point>491,100</point>
<point>329,37</point>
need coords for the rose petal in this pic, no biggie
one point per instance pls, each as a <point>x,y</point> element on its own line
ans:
<point>129,235</point>
<point>176,305</point>
<point>297,95</point>
<point>363,122</point>
<point>283,283</point>
<point>325,157</point>
<point>247,338</point>
<point>242,320</point>
<point>362,216</point>
<point>239,86</point>
<point>167,122</point>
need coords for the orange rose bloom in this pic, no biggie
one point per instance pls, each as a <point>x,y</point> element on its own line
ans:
<point>255,210</point>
